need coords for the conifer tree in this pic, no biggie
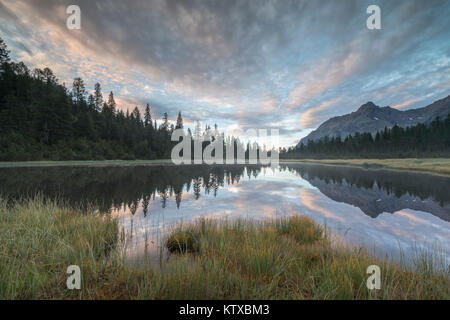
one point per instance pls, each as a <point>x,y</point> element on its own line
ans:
<point>111,102</point>
<point>48,76</point>
<point>78,90</point>
<point>137,116</point>
<point>4,53</point>
<point>98,97</point>
<point>179,124</point>
<point>147,116</point>
<point>165,122</point>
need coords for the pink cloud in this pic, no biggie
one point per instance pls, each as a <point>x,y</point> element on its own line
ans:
<point>309,118</point>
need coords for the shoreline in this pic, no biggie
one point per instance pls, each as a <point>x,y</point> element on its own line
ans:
<point>85,163</point>
<point>435,166</point>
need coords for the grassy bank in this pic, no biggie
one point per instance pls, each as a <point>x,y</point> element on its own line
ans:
<point>282,259</point>
<point>439,166</point>
<point>286,259</point>
<point>93,163</point>
<point>39,240</point>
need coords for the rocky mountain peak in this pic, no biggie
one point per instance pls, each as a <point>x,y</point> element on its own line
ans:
<point>369,106</point>
<point>371,118</point>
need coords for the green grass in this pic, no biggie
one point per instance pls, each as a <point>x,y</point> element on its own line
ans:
<point>17,164</point>
<point>39,240</point>
<point>289,258</point>
<point>439,166</point>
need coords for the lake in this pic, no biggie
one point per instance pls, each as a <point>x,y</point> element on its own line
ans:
<point>394,213</point>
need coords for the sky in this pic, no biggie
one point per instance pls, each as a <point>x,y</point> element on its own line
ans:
<point>243,64</point>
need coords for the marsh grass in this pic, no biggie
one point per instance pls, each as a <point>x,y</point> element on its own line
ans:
<point>40,239</point>
<point>288,258</point>
<point>440,166</point>
<point>88,163</point>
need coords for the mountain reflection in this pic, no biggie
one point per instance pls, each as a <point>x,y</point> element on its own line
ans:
<point>112,188</point>
<point>378,191</point>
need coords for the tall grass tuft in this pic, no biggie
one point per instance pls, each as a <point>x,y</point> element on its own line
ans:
<point>40,239</point>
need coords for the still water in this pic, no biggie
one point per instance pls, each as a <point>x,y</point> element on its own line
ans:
<point>388,212</point>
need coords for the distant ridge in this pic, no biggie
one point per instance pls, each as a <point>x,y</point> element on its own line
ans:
<point>372,118</point>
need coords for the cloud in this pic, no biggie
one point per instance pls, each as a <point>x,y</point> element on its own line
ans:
<point>309,118</point>
<point>404,104</point>
<point>255,63</point>
<point>321,76</point>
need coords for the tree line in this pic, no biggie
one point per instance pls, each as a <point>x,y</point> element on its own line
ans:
<point>432,140</point>
<point>41,119</point>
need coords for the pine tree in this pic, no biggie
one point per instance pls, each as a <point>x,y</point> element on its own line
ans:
<point>38,74</point>
<point>147,116</point>
<point>98,97</point>
<point>78,90</point>
<point>165,122</point>
<point>137,116</point>
<point>49,77</point>
<point>4,53</point>
<point>91,102</point>
<point>111,102</point>
<point>20,69</point>
<point>179,124</point>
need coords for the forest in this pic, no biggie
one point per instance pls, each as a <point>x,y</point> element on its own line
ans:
<point>41,119</point>
<point>417,141</point>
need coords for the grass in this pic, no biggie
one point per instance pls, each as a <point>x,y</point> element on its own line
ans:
<point>289,258</point>
<point>439,166</point>
<point>39,240</point>
<point>92,163</point>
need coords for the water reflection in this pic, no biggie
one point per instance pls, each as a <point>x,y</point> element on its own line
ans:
<point>112,187</point>
<point>381,209</point>
<point>375,192</point>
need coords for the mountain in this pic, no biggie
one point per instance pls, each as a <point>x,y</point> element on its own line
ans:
<point>372,118</point>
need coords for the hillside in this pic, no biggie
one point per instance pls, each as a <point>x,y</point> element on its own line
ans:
<point>371,118</point>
